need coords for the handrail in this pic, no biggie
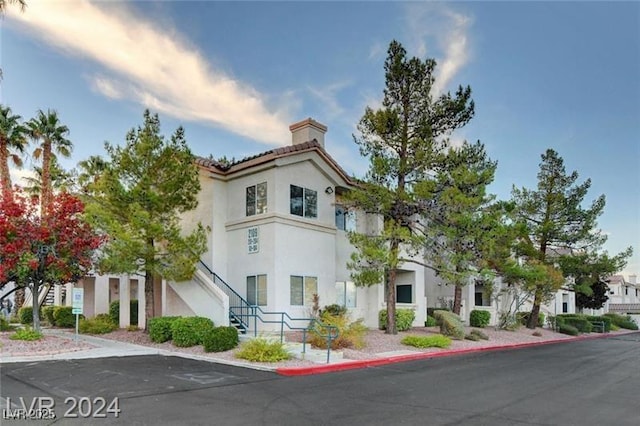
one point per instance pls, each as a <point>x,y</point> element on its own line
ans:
<point>242,311</point>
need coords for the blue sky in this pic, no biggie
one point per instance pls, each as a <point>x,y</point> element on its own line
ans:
<point>235,74</point>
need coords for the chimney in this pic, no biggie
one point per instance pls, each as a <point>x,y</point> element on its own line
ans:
<point>306,131</point>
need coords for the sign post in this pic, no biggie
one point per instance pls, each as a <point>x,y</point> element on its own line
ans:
<point>76,307</point>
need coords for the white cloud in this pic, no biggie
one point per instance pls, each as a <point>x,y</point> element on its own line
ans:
<point>436,24</point>
<point>328,97</point>
<point>153,66</point>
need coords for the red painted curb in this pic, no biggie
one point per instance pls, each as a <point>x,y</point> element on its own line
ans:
<point>355,364</point>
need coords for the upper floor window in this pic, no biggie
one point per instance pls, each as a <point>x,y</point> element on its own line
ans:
<point>304,202</point>
<point>345,219</point>
<point>257,199</point>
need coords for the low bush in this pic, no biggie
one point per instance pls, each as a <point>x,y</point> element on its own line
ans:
<point>437,341</point>
<point>404,319</point>
<point>100,324</point>
<point>190,331</point>
<point>47,314</point>
<point>160,328</point>
<point>5,326</point>
<point>114,312</point>
<point>576,320</point>
<point>335,310</point>
<point>63,317</point>
<point>351,334</point>
<point>262,350</point>
<point>537,334</point>
<point>473,337</point>
<point>622,321</point>
<point>220,339</point>
<point>25,315</point>
<point>133,328</point>
<point>567,329</point>
<point>603,319</point>
<point>27,334</point>
<point>430,322</point>
<point>523,318</point>
<point>479,334</point>
<point>450,324</point>
<point>478,318</point>
<point>430,311</point>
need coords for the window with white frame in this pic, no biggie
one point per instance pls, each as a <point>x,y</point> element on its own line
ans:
<point>346,294</point>
<point>256,198</point>
<point>302,290</point>
<point>345,219</point>
<point>257,290</point>
<point>303,202</point>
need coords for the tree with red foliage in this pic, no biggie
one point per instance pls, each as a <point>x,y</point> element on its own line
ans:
<point>35,248</point>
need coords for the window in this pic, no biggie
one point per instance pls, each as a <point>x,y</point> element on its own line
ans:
<point>345,219</point>
<point>346,294</point>
<point>481,298</point>
<point>257,290</point>
<point>302,290</point>
<point>304,202</point>
<point>257,199</point>
<point>404,293</point>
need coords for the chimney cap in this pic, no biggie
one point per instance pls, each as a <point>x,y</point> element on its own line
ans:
<point>308,122</point>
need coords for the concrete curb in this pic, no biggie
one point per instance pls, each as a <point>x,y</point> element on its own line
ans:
<point>356,364</point>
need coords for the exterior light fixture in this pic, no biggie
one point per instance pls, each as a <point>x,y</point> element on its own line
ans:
<point>328,190</point>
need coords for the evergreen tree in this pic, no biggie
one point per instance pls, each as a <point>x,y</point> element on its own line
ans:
<point>403,140</point>
<point>554,221</point>
<point>136,199</point>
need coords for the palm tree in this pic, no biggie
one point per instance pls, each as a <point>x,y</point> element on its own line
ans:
<point>60,179</point>
<point>46,129</point>
<point>91,169</point>
<point>12,142</point>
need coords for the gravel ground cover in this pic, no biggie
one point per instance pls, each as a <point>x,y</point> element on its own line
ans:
<point>378,344</point>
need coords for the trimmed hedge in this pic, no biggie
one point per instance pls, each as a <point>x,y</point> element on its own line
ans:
<point>567,329</point>
<point>404,319</point>
<point>605,320</point>
<point>63,317</point>
<point>220,339</point>
<point>114,312</point>
<point>160,328</point>
<point>576,320</point>
<point>478,318</point>
<point>622,321</point>
<point>25,315</point>
<point>430,322</point>
<point>190,331</point>
<point>47,314</point>
<point>436,341</point>
<point>450,324</point>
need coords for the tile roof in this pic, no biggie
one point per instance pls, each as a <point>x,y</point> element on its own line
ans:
<point>272,154</point>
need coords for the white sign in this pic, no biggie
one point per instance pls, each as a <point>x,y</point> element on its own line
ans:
<point>77,300</point>
<point>253,241</point>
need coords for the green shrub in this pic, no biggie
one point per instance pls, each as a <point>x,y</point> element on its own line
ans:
<point>622,321</point>
<point>450,324</point>
<point>523,318</point>
<point>220,339</point>
<point>430,311</point>
<point>47,314</point>
<point>26,333</point>
<point>430,322</point>
<point>479,334</point>
<point>160,328</point>
<point>100,324</point>
<point>114,312</point>
<point>479,318</point>
<point>25,315</point>
<point>350,334</point>
<point>335,310</point>
<point>5,326</point>
<point>567,329</point>
<point>261,350</point>
<point>604,319</point>
<point>190,331</point>
<point>437,341</point>
<point>404,319</point>
<point>63,317</point>
<point>578,321</point>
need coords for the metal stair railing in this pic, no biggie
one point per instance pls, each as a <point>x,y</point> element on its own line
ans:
<point>243,312</point>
